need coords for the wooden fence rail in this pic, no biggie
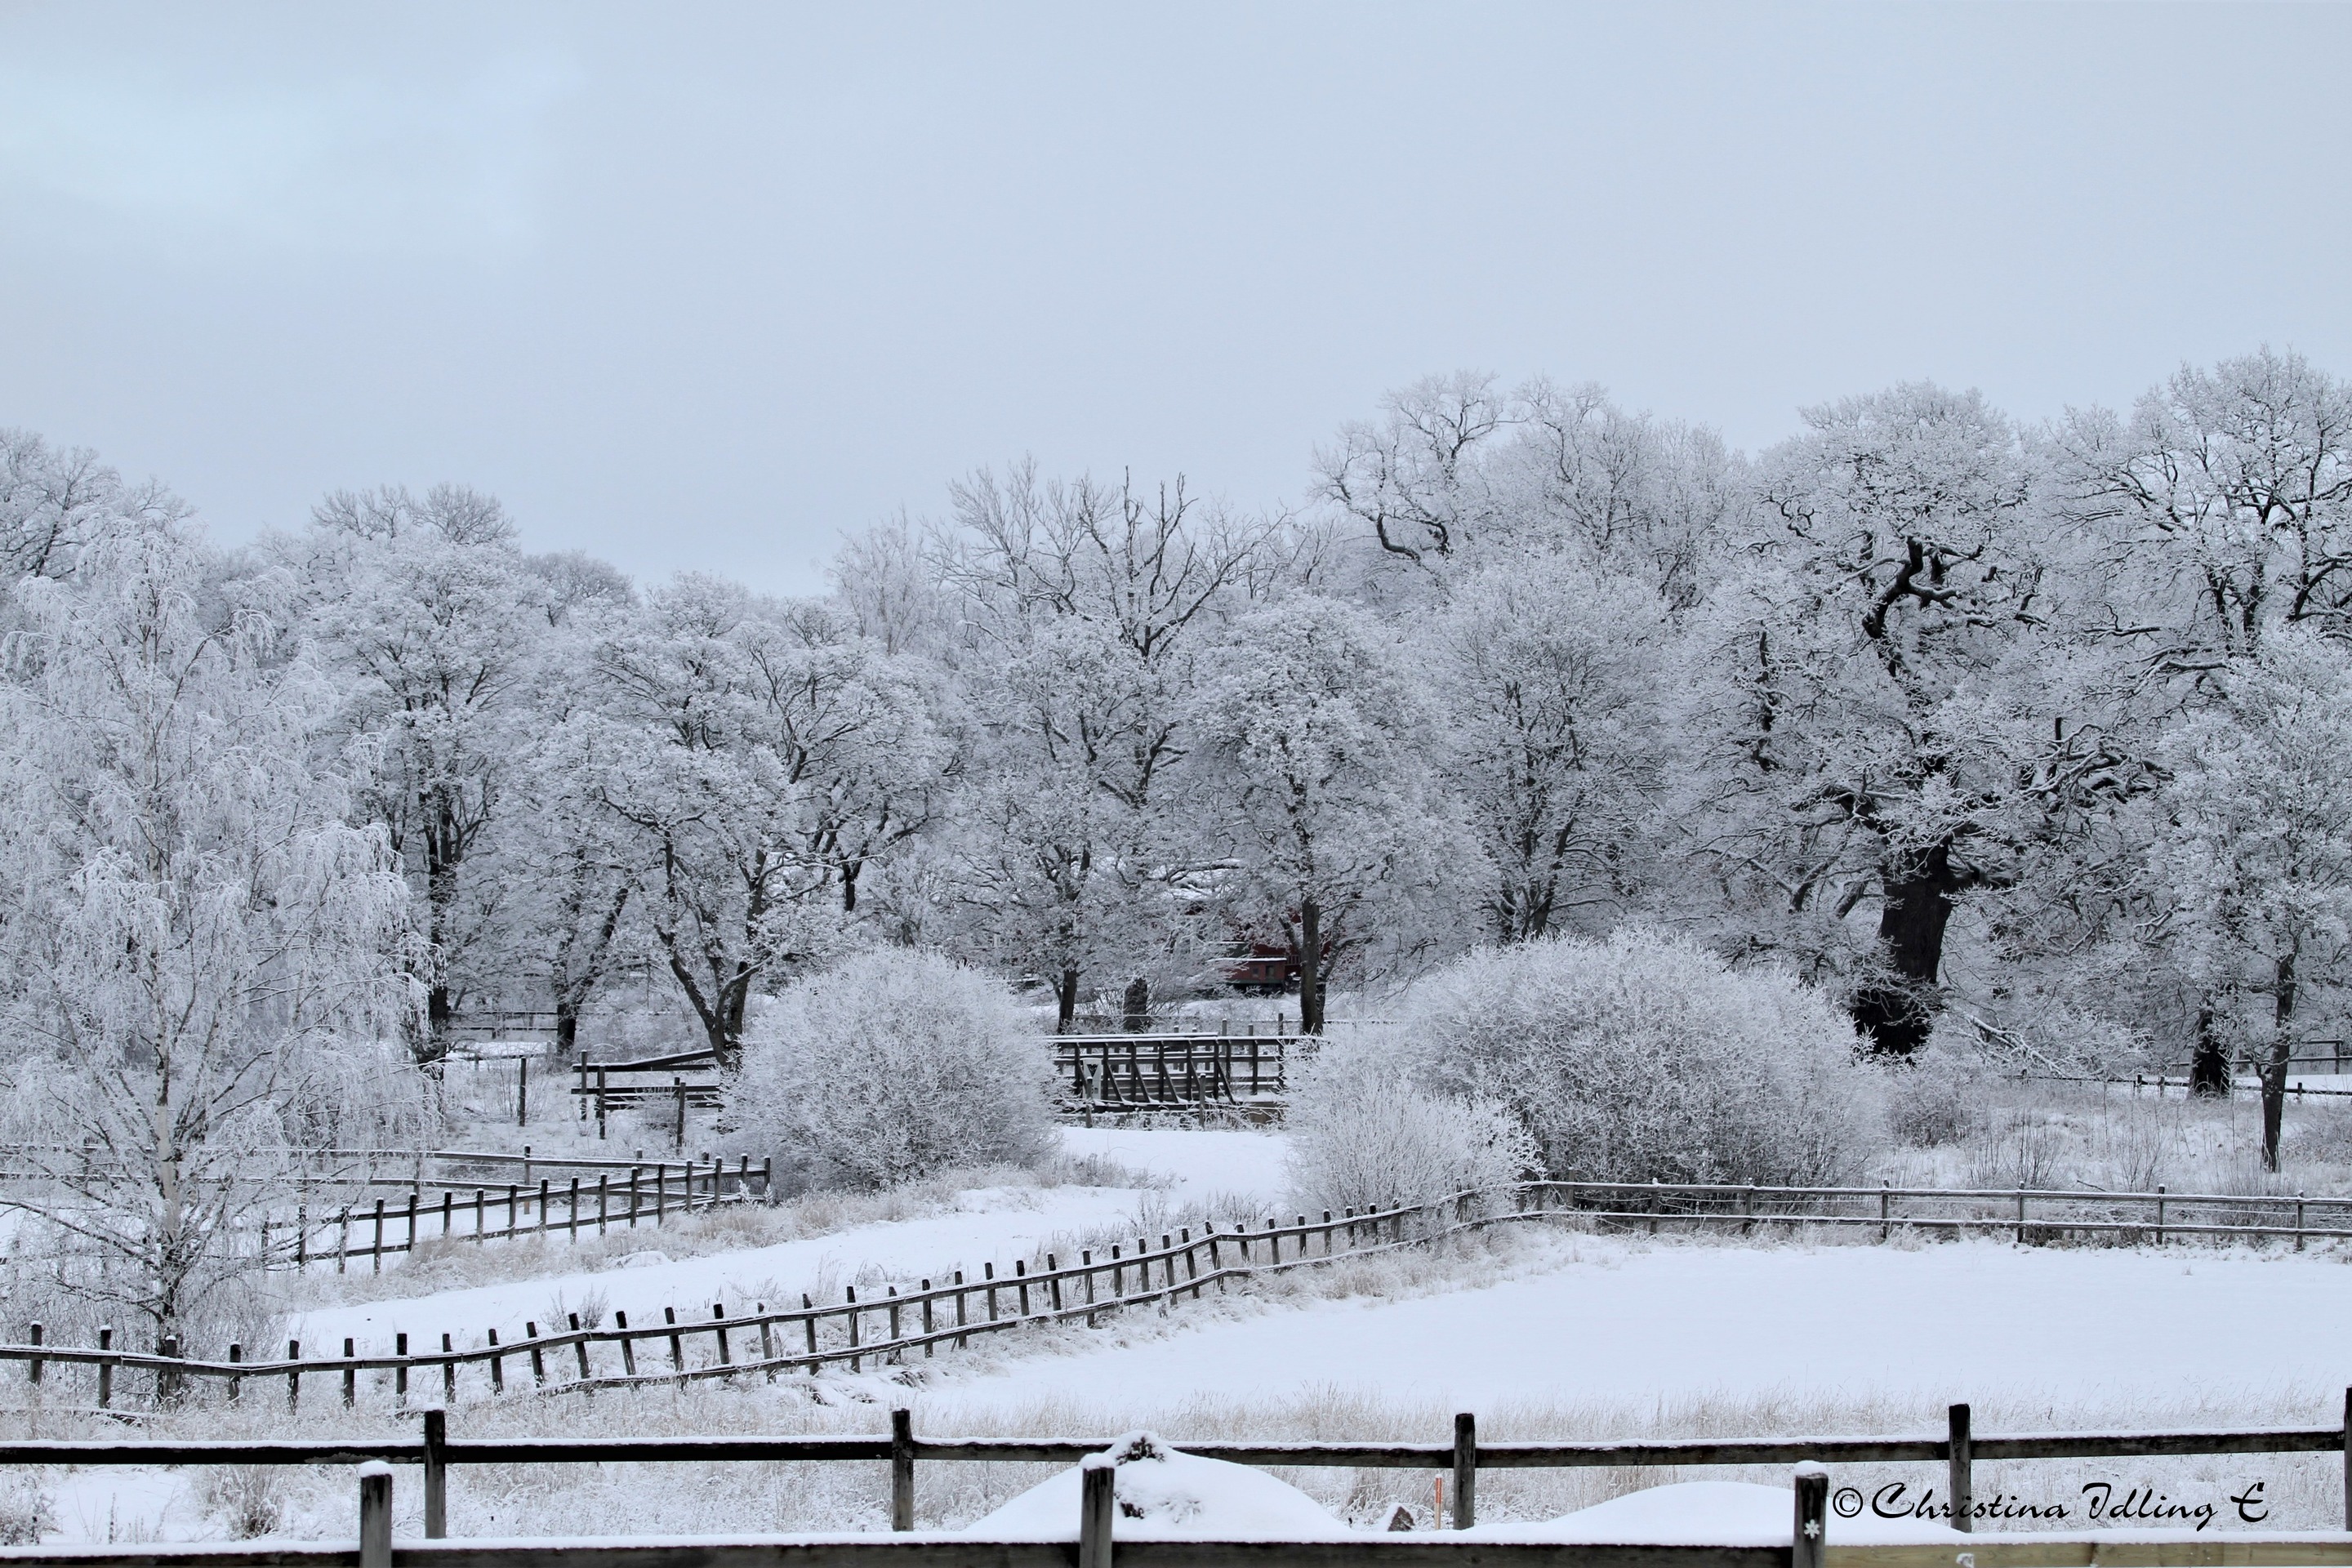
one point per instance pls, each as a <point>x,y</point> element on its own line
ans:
<point>1463,1457</point>
<point>1135,1071</point>
<point>888,1328</point>
<point>896,1325</point>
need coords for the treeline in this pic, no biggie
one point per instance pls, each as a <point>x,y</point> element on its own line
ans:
<point>2037,728</point>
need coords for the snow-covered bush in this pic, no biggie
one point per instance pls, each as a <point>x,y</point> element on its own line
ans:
<point>1364,1134</point>
<point>1642,1058</point>
<point>891,1066</point>
<point>27,1511</point>
<point>1935,1099</point>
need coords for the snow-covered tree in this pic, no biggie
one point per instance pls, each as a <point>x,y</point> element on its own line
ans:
<point>1085,607</point>
<point>2255,850</point>
<point>762,757</point>
<point>1315,790</point>
<point>54,504</point>
<point>2226,498</point>
<point>202,956</point>
<point>1868,716</point>
<point>425,608</point>
<point>1544,673</point>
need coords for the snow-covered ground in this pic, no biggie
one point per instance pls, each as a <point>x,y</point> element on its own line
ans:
<point>1204,1164</point>
<point>990,1225</point>
<point>1606,1318</point>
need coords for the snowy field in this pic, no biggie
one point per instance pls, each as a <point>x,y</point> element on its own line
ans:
<point>1605,1319</point>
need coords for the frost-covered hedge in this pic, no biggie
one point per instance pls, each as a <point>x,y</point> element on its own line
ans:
<point>1364,1134</point>
<point>1645,1058</point>
<point>891,1066</point>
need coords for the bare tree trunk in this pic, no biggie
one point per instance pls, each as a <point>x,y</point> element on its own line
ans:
<point>1310,967</point>
<point>2208,1061</point>
<point>2274,1071</point>
<point>577,972</point>
<point>1065,1002</point>
<point>1916,908</point>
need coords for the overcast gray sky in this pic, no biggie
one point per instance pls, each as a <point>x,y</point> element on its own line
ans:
<point>699,286</point>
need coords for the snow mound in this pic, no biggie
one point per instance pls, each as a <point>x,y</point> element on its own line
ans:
<point>1164,1495</point>
<point>1699,1513</point>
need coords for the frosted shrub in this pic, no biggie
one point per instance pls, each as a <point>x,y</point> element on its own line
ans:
<point>892,1066</point>
<point>1642,1059</point>
<point>1363,1134</point>
<point>1934,1100</point>
<point>27,1511</point>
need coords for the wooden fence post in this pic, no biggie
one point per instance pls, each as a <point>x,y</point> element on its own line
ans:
<point>603,1196</point>
<point>579,1345</point>
<point>351,1377</point>
<point>676,1348</point>
<point>1812,1525</point>
<point>399,1372</point>
<point>33,1367</point>
<point>105,1369</point>
<point>1960,1482</point>
<point>1097,1477</point>
<point>497,1366</point>
<point>522,1091</point>
<point>375,1514</point>
<point>2160,1213</point>
<point>719,1312</point>
<point>628,1345</point>
<point>677,1141</point>
<point>236,1383</point>
<point>537,1358</point>
<point>376,1253</point>
<point>1466,1471</point>
<point>167,1382</point>
<point>293,1376</point>
<point>436,1474</point>
<point>448,1372</point>
<point>902,1469</point>
<point>2348,1458</point>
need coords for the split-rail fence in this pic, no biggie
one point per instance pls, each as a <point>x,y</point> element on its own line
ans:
<point>897,1326</point>
<point>1958,1449</point>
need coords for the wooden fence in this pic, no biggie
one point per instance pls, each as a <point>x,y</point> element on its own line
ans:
<point>2026,1214</point>
<point>1958,1449</point>
<point>650,1193</point>
<point>896,1325</point>
<point>890,1327</point>
<point>1116,1072</point>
